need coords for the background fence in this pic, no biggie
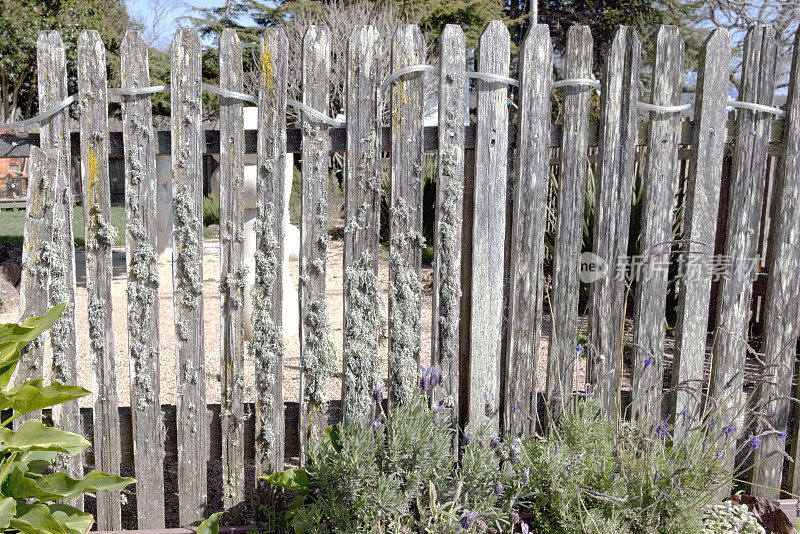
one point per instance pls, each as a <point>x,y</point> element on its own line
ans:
<point>501,280</point>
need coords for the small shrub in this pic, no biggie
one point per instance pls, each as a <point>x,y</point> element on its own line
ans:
<point>210,210</point>
<point>28,491</point>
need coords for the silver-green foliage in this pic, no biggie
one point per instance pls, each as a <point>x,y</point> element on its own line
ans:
<point>728,518</point>
<point>397,473</point>
<point>28,493</point>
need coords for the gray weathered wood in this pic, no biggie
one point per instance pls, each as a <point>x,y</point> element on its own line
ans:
<point>37,252</point>
<point>99,239</point>
<point>655,243</point>
<point>745,199</point>
<point>55,135</point>
<point>781,327</point>
<point>488,230</point>
<point>141,243</point>
<point>702,206</point>
<point>614,183</point>
<point>363,318</point>
<point>405,232</point>
<point>267,343</point>
<point>526,276</point>
<point>233,268</point>
<point>569,223</point>
<point>187,274</point>
<point>446,304</point>
<point>317,351</point>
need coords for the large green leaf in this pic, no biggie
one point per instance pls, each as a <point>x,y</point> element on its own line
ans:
<point>35,519</point>
<point>21,486</point>
<point>72,520</point>
<point>35,461</point>
<point>14,337</point>
<point>32,435</point>
<point>210,525</point>
<point>291,479</point>
<point>8,508</point>
<point>34,395</point>
<point>68,488</point>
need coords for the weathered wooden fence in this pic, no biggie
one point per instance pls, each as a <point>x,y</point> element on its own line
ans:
<point>493,298</point>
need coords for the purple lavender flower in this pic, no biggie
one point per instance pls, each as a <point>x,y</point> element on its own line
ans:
<point>648,362</point>
<point>782,436</point>
<point>430,377</point>
<point>516,448</point>
<point>579,349</point>
<point>467,520</point>
<point>730,429</point>
<point>377,392</point>
<point>524,528</point>
<point>438,407</point>
<point>684,412</point>
<point>513,518</point>
<point>499,489</point>
<point>467,436</point>
<point>755,443</point>
<point>377,423</point>
<point>494,441</point>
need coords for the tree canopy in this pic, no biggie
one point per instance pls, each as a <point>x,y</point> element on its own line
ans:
<point>20,24</point>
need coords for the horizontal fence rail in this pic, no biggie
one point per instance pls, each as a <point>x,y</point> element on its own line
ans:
<point>537,227</point>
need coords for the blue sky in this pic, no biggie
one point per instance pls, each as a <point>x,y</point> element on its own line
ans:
<point>164,14</point>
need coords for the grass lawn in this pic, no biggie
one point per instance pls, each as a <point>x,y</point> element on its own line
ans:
<point>12,223</point>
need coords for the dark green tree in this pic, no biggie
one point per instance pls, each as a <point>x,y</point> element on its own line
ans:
<point>20,23</point>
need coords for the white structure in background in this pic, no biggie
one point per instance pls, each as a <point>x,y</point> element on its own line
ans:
<point>291,311</point>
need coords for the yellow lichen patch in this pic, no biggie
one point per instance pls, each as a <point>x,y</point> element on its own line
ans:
<point>267,73</point>
<point>92,167</point>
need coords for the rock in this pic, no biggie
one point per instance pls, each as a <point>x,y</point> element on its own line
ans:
<point>11,271</point>
<point>9,296</point>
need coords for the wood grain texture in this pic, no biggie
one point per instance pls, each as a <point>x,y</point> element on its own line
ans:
<point>617,150</point>
<point>363,317</point>
<point>99,234</point>
<point>54,132</point>
<point>781,328</point>
<point>317,351</point>
<point>446,306</point>
<point>267,343</point>
<point>655,243</point>
<point>233,266</point>
<point>405,228</point>
<point>745,199</point>
<point>141,243</point>
<point>569,222</point>
<point>37,251</point>
<point>488,231</point>
<point>700,225</point>
<point>526,276</point>
<point>187,274</point>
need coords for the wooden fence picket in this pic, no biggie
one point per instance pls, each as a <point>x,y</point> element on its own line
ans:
<point>232,269</point>
<point>446,306</point>
<point>37,251</point>
<point>54,135</point>
<point>405,233</point>
<point>317,351</point>
<point>699,234</point>
<point>526,280</point>
<point>652,264</point>
<point>562,349</point>
<point>92,89</point>
<point>781,327</point>
<point>141,243</point>
<point>363,318</point>
<point>751,137</point>
<point>488,230</point>
<point>187,274</point>
<point>617,149</point>
<point>267,344</point>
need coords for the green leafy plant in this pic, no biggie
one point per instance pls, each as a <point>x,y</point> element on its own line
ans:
<point>729,518</point>
<point>210,210</point>
<point>28,487</point>
<point>398,473</point>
